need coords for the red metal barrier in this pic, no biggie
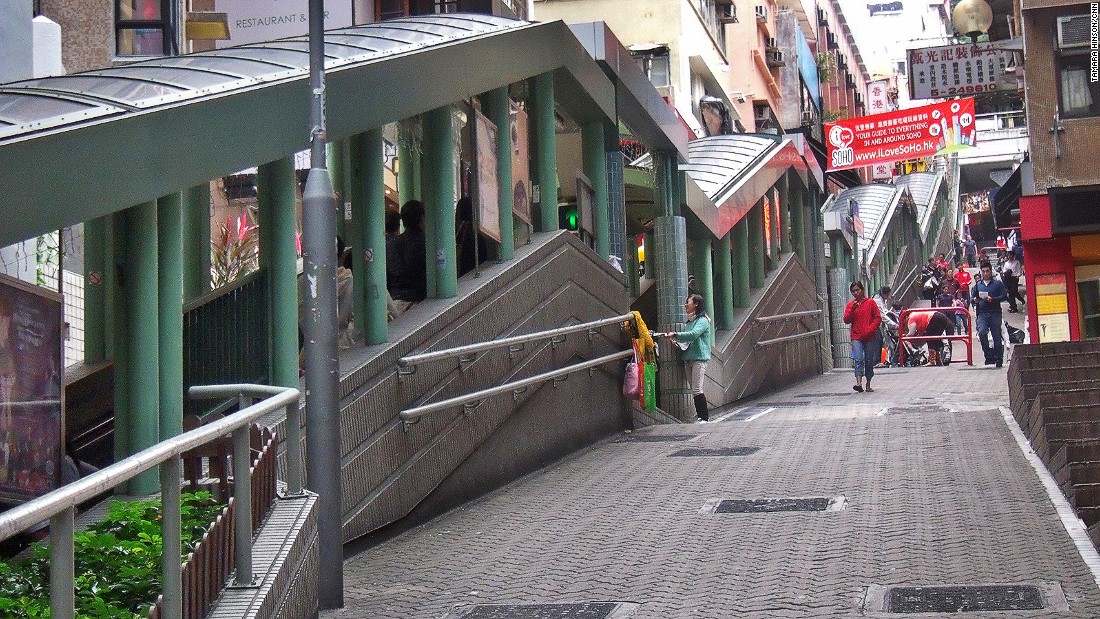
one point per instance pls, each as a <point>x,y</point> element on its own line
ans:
<point>967,338</point>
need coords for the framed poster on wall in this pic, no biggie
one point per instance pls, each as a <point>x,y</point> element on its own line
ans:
<point>31,370</point>
<point>1052,307</point>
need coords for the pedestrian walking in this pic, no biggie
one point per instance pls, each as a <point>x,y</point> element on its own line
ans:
<point>864,317</point>
<point>697,351</point>
<point>1011,271</point>
<point>987,297</point>
<point>970,248</point>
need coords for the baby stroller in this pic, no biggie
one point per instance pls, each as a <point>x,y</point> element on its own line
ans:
<point>890,338</point>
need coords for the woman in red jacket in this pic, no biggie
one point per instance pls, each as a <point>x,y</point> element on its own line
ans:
<point>863,314</point>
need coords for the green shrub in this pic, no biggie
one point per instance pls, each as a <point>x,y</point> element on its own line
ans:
<point>117,562</point>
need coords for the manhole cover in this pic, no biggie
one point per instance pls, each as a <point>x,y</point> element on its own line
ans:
<point>703,452</point>
<point>656,438</point>
<point>919,409</point>
<point>963,599</point>
<point>768,506</point>
<point>597,610</point>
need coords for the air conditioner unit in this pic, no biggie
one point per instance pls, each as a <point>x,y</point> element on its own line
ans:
<point>808,118</point>
<point>774,58</point>
<point>831,41</point>
<point>822,18</point>
<point>1073,31</point>
<point>770,43</point>
<point>761,12</point>
<point>850,81</point>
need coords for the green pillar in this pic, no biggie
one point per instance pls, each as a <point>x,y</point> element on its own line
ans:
<point>757,251</point>
<point>798,199</point>
<point>784,210</point>
<point>368,228</point>
<point>594,152</point>
<point>439,202</point>
<point>196,242</point>
<point>115,320</point>
<point>170,318</point>
<point>632,278</point>
<point>775,224</point>
<point>275,193</point>
<point>95,295</point>
<point>702,267</point>
<point>407,163</point>
<point>670,251</point>
<point>723,284</point>
<point>140,282</point>
<point>337,155</point>
<point>741,258</point>
<point>546,141</point>
<point>500,112</point>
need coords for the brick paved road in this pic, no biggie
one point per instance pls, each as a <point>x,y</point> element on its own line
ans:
<point>933,498</point>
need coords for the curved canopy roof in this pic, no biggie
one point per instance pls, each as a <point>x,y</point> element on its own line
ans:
<point>875,204</point>
<point>733,172</point>
<point>77,147</point>
<point>925,188</point>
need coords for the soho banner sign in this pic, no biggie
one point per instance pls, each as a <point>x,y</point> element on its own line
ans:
<point>958,70</point>
<point>936,129</point>
<point>255,21</point>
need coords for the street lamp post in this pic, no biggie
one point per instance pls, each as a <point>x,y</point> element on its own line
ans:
<point>322,366</point>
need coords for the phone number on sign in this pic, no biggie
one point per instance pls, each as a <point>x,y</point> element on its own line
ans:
<point>962,90</point>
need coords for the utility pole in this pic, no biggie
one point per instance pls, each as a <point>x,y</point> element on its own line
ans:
<point>322,366</point>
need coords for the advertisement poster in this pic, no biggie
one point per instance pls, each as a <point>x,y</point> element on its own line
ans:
<point>30,390</point>
<point>935,129</point>
<point>254,21</point>
<point>488,197</point>
<point>975,202</point>
<point>521,165</point>
<point>958,70</point>
<point>1052,307</point>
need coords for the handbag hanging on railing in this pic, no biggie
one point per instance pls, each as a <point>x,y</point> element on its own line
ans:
<point>632,378</point>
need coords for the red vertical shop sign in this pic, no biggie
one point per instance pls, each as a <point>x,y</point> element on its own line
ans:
<point>935,129</point>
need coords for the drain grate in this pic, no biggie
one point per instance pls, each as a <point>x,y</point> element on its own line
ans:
<point>834,394</point>
<point>785,404</point>
<point>962,599</point>
<point>655,438</point>
<point>926,409</point>
<point>594,610</point>
<point>718,452</point>
<point>769,506</point>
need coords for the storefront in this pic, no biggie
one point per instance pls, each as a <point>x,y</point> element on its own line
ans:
<point>1061,241</point>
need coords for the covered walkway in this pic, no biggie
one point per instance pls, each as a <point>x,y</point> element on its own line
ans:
<point>936,491</point>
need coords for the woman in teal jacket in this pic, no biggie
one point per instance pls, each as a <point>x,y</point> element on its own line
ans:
<point>697,353</point>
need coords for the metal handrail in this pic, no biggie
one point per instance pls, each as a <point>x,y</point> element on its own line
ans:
<point>786,338</point>
<point>787,316</point>
<point>59,506</point>
<point>464,352</point>
<point>412,415</point>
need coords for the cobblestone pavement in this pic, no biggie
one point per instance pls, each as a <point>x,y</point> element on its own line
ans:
<point>937,492</point>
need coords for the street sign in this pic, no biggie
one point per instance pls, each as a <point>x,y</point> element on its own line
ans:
<point>958,70</point>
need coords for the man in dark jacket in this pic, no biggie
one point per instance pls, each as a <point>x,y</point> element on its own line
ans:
<point>987,296</point>
<point>411,285</point>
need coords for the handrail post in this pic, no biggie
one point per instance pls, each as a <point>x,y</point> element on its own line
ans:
<point>294,449</point>
<point>242,495</point>
<point>62,568</point>
<point>171,534</point>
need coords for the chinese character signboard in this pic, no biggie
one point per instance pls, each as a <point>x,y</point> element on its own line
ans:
<point>878,97</point>
<point>882,172</point>
<point>30,390</point>
<point>958,70</point>
<point>940,128</point>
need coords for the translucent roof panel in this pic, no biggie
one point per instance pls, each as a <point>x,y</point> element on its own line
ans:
<point>715,163</point>
<point>174,79</point>
<point>874,202</point>
<point>922,186</point>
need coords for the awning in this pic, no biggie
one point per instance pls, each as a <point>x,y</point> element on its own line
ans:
<point>77,147</point>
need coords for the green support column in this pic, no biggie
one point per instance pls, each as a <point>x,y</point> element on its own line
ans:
<point>670,251</point>
<point>742,282</point>
<point>95,295</point>
<point>632,278</point>
<point>275,193</point>
<point>500,112</point>
<point>546,141</point>
<point>368,228</point>
<point>170,318</point>
<point>723,284</point>
<point>337,156</point>
<point>439,202</point>
<point>784,210</point>
<point>798,221</point>
<point>702,267</point>
<point>140,281</point>
<point>774,222</point>
<point>196,242</point>
<point>406,164</point>
<point>117,342</point>
<point>595,168</point>
<point>757,251</point>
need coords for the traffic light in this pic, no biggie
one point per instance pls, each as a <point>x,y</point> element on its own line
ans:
<point>568,218</point>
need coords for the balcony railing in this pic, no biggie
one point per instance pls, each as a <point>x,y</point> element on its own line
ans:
<point>1001,125</point>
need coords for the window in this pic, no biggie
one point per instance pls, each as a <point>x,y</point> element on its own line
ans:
<point>654,63</point>
<point>1078,95</point>
<point>144,28</point>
